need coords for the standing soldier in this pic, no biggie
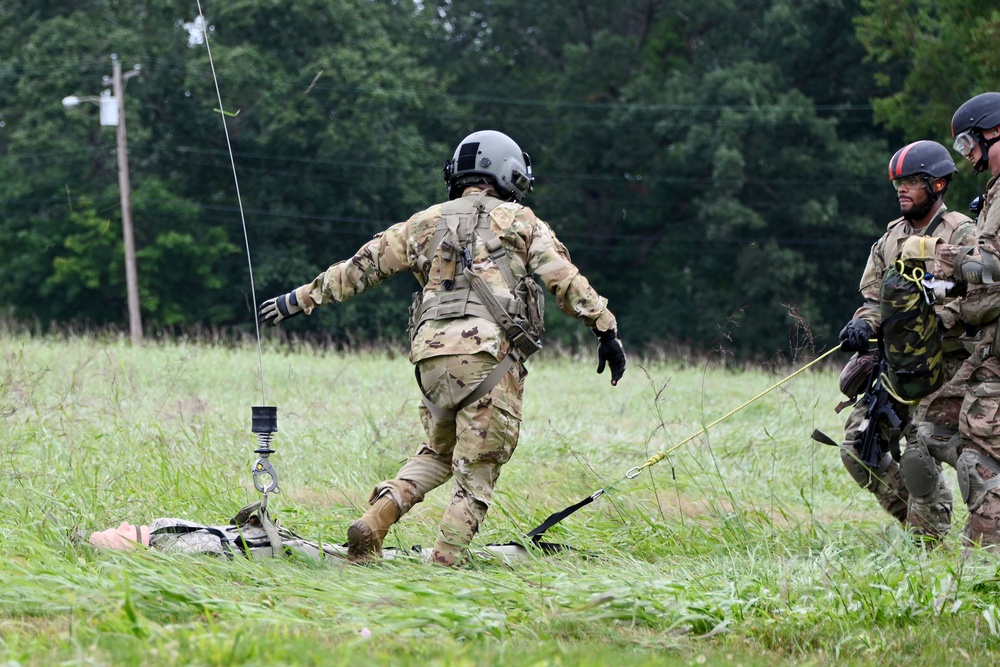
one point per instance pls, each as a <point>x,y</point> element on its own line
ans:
<point>912,490</point>
<point>971,399</point>
<point>475,321</point>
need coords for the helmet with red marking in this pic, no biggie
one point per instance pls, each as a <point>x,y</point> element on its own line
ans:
<point>922,157</point>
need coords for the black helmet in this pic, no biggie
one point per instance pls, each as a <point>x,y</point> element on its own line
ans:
<point>980,113</point>
<point>922,157</point>
<point>493,155</point>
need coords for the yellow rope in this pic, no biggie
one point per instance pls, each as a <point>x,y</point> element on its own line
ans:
<point>656,458</point>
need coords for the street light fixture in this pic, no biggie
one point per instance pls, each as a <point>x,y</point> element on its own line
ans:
<point>112,104</point>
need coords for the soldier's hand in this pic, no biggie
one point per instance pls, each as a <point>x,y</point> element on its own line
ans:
<point>610,352</point>
<point>278,309</point>
<point>855,336</point>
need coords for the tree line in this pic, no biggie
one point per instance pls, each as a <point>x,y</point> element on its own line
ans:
<point>716,168</point>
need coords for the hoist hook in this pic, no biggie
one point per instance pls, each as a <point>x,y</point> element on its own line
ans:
<point>265,425</point>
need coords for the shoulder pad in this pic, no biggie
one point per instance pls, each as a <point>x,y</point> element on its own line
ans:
<point>956,218</point>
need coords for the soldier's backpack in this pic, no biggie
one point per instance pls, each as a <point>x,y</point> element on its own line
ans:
<point>911,335</point>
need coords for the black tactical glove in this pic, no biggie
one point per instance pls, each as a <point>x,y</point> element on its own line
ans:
<point>855,336</point>
<point>278,309</point>
<point>611,352</point>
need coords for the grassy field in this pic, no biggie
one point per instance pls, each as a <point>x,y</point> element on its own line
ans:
<point>748,546</point>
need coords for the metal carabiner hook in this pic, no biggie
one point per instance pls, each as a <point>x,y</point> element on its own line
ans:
<point>263,468</point>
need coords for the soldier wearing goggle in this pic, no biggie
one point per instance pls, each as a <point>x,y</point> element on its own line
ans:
<point>971,399</point>
<point>976,128</point>
<point>913,489</point>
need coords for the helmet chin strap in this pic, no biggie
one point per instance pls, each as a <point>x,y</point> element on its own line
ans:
<point>984,152</point>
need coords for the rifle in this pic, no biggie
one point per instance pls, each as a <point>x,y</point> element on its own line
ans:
<point>882,426</point>
<point>880,430</point>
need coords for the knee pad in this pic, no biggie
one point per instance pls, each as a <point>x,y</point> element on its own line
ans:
<point>940,442</point>
<point>970,482</point>
<point>919,471</point>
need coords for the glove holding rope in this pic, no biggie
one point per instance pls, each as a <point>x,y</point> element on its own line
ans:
<point>855,336</point>
<point>611,352</point>
<point>279,309</point>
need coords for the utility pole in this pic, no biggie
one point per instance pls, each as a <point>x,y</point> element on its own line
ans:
<point>125,190</point>
<point>113,113</point>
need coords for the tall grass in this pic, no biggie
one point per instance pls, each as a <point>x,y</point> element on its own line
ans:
<point>749,545</point>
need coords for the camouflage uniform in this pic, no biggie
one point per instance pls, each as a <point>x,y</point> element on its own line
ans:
<point>453,354</point>
<point>970,401</point>
<point>929,514</point>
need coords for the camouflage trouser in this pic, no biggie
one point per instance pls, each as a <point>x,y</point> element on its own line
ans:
<point>928,511</point>
<point>472,447</point>
<point>970,402</point>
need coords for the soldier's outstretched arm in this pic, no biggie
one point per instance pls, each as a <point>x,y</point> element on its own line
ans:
<point>379,259</point>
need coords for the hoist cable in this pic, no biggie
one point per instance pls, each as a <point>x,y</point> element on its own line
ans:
<point>239,199</point>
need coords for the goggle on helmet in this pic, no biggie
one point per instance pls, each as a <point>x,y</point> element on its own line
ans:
<point>982,112</point>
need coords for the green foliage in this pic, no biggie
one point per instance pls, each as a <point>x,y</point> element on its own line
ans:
<point>700,179</point>
<point>713,166</point>
<point>333,140</point>
<point>930,57</point>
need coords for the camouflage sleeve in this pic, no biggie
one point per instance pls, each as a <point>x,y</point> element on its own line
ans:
<point>382,257</point>
<point>943,264</point>
<point>950,310</point>
<point>965,234</point>
<point>946,255</point>
<point>871,282</point>
<point>550,261</point>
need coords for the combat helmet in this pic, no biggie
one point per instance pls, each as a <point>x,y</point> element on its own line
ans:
<point>494,155</point>
<point>982,112</point>
<point>927,159</point>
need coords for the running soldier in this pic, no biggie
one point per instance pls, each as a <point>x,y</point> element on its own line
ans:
<point>475,321</point>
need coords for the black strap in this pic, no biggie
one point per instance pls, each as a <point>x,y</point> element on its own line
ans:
<point>546,547</point>
<point>936,222</point>
<point>536,533</point>
<point>823,438</point>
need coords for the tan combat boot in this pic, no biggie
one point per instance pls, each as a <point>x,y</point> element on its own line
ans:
<point>364,536</point>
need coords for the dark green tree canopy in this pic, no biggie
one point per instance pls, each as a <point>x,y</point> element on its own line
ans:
<point>714,167</point>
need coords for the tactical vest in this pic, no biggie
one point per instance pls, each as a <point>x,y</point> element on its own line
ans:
<point>519,310</point>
